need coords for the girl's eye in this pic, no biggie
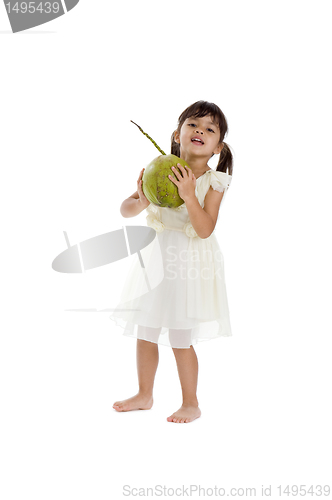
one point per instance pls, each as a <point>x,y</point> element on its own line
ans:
<point>210,130</point>
<point>191,125</point>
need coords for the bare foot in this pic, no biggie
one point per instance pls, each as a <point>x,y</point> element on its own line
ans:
<point>185,414</point>
<point>138,402</point>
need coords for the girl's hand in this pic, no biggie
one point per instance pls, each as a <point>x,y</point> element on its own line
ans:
<point>142,198</point>
<point>186,183</point>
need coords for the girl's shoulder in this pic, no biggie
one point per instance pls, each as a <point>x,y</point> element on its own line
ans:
<point>218,180</point>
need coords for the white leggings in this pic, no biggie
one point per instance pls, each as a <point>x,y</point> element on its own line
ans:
<point>177,338</point>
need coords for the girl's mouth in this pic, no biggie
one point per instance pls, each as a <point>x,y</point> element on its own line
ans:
<point>197,140</point>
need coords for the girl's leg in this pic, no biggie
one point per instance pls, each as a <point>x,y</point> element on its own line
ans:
<point>147,356</point>
<point>187,365</point>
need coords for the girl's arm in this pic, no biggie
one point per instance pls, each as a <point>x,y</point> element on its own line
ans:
<point>132,206</point>
<point>204,219</point>
<point>136,203</point>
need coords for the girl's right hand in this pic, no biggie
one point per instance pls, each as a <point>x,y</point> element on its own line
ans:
<point>143,199</point>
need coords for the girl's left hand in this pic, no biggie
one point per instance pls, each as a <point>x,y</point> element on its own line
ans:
<point>186,183</point>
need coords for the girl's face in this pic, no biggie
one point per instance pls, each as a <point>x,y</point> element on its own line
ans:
<point>199,136</point>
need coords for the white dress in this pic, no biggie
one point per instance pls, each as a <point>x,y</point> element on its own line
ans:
<point>180,297</point>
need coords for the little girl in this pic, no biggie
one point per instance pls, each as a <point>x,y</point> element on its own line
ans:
<point>190,303</point>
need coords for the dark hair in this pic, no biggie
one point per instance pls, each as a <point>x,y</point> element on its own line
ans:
<point>204,108</point>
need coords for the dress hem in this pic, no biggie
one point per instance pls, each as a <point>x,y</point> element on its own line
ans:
<point>194,341</point>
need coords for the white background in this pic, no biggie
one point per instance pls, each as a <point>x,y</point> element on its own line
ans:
<point>69,157</point>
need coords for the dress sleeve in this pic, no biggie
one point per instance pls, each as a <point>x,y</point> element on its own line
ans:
<point>220,181</point>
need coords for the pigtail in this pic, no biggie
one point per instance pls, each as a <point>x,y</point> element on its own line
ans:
<point>225,160</point>
<point>175,147</point>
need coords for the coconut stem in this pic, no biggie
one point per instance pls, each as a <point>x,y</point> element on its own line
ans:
<point>153,142</point>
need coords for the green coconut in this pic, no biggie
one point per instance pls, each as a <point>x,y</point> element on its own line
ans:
<point>156,185</point>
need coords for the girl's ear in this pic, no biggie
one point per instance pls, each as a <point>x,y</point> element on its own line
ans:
<point>218,149</point>
<point>177,137</point>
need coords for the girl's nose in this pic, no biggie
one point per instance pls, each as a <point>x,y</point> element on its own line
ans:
<point>197,132</point>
